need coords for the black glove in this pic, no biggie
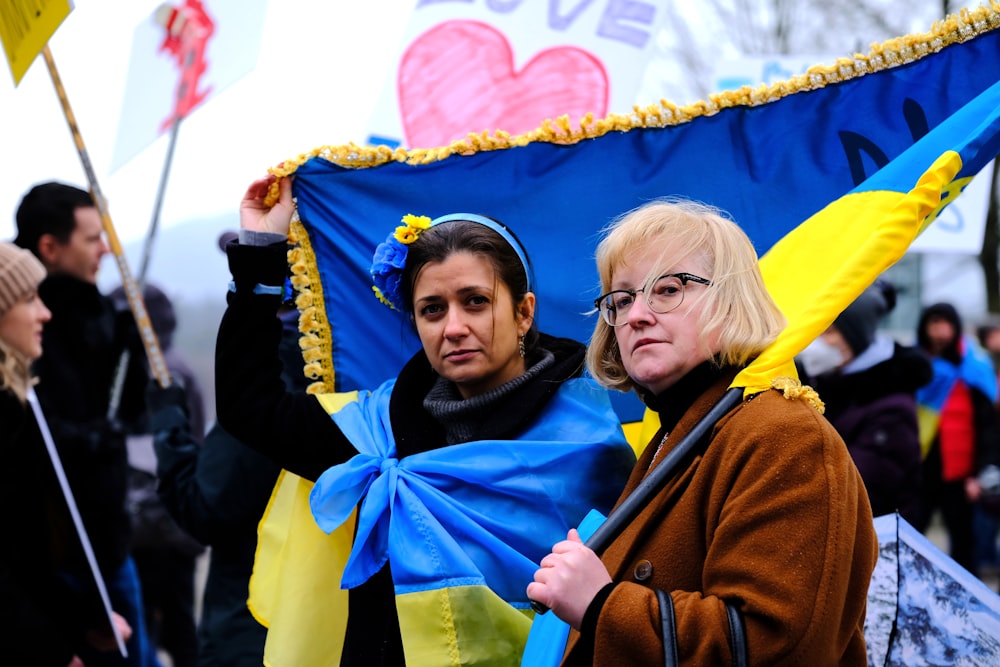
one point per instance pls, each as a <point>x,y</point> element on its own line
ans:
<point>166,405</point>
<point>102,436</point>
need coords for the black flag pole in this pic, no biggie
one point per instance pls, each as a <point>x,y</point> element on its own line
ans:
<point>661,474</point>
<point>654,482</point>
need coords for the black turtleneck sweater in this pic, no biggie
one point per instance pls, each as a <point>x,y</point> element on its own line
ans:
<point>674,401</point>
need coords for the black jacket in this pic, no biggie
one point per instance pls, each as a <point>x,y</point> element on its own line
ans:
<point>217,492</point>
<point>41,619</point>
<point>83,343</point>
<point>295,431</point>
<point>875,412</point>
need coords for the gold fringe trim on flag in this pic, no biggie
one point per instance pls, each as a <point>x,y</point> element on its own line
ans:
<point>956,28</point>
<point>792,389</point>
<point>316,341</point>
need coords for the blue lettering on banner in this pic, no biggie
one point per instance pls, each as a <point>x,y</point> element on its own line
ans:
<point>559,21</point>
<point>733,82</point>
<point>622,20</point>
<point>626,10</point>
<point>774,71</point>
<point>502,6</point>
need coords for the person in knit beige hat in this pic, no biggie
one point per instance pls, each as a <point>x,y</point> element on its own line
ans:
<point>87,416</point>
<point>22,315</point>
<point>51,622</point>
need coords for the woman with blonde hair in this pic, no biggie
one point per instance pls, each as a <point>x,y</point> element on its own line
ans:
<point>759,547</point>
<point>22,315</point>
<point>43,622</point>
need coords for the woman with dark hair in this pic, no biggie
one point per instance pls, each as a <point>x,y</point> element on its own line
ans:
<point>487,446</point>
<point>44,622</point>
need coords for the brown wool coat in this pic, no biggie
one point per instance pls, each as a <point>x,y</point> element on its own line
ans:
<point>773,517</point>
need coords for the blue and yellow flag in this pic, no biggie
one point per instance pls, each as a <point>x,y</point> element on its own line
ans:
<point>975,370</point>
<point>823,264</point>
<point>463,527</point>
<point>832,175</point>
<point>772,156</point>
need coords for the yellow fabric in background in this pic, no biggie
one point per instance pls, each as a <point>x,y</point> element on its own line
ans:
<point>927,425</point>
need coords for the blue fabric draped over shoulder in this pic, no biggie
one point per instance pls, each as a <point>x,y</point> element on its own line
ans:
<point>477,513</point>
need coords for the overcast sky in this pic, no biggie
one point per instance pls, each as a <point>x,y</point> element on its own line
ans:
<point>321,70</point>
<point>322,66</point>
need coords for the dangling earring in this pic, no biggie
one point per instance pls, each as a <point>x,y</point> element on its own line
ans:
<point>520,346</point>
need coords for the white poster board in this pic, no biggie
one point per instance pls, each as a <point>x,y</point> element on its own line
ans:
<point>469,66</point>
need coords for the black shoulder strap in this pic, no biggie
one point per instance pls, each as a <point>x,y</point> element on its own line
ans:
<point>667,619</point>
<point>737,636</point>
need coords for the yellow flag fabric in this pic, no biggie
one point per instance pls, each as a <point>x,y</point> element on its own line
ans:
<point>471,625</point>
<point>814,274</point>
<point>303,628</point>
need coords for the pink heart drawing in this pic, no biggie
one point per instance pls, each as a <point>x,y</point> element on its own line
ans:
<point>458,77</point>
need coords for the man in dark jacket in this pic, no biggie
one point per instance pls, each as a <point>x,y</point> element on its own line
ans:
<point>870,398</point>
<point>83,343</point>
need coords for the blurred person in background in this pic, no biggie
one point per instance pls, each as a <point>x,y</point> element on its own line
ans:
<point>959,432</point>
<point>163,318</point>
<point>164,553</point>
<point>986,514</point>
<point>44,622</point>
<point>218,492</point>
<point>84,342</point>
<point>868,383</point>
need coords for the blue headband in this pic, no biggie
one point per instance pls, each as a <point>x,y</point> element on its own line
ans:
<point>390,255</point>
<point>498,228</point>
